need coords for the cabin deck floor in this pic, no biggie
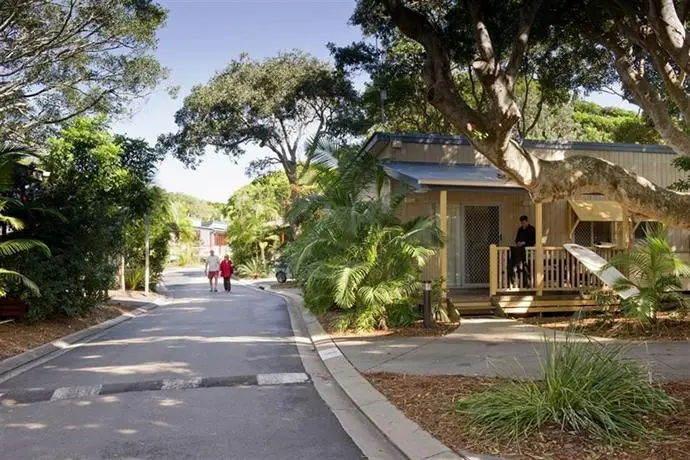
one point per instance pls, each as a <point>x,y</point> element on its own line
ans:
<point>475,301</point>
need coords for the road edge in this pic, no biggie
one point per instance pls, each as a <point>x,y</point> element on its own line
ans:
<point>18,364</point>
<point>407,436</point>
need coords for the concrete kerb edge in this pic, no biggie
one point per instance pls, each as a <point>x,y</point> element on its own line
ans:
<point>16,362</point>
<point>408,437</point>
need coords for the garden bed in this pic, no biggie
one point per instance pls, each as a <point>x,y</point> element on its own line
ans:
<point>415,329</point>
<point>18,337</point>
<point>430,402</point>
<point>617,327</point>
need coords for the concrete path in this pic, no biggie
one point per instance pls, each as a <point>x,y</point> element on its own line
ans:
<point>492,347</point>
<point>207,376</point>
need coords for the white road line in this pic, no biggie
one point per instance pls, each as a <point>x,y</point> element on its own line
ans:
<point>181,384</point>
<point>282,379</point>
<point>328,353</point>
<point>75,392</point>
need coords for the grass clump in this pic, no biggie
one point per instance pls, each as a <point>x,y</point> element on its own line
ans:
<point>588,388</point>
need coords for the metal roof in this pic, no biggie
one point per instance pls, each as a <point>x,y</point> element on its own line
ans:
<point>415,138</point>
<point>430,175</point>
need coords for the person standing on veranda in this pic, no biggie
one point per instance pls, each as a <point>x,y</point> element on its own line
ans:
<point>226,270</point>
<point>211,270</point>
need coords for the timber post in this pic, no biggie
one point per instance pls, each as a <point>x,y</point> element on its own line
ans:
<point>539,249</point>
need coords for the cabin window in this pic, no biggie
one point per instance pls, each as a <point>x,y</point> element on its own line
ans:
<point>644,227</point>
<point>591,233</point>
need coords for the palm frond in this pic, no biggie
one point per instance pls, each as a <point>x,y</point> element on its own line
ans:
<point>347,278</point>
<point>15,246</point>
<point>30,285</point>
<point>14,222</point>
<point>652,267</point>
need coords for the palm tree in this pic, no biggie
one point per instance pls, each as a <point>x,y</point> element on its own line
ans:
<point>656,271</point>
<point>180,225</point>
<point>10,158</point>
<point>354,252</point>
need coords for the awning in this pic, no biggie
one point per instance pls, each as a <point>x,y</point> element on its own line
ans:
<point>425,176</point>
<point>597,211</point>
<point>602,211</point>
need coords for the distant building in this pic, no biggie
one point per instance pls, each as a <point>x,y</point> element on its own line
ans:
<point>211,236</point>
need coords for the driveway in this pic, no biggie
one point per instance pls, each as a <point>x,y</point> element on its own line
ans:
<point>207,376</point>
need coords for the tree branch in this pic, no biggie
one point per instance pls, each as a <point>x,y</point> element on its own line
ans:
<point>670,30</point>
<point>537,116</point>
<point>473,86</point>
<point>646,96</point>
<point>528,13</point>
<point>590,175</point>
<point>286,139</point>
<point>441,88</point>
<point>485,46</point>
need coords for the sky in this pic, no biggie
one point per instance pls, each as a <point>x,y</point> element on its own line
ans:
<point>201,37</point>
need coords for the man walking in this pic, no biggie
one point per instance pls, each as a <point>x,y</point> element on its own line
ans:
<point>211,270</point>
<point>226,272</point>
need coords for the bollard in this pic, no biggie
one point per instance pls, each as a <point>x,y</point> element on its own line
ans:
<point>428,321</point>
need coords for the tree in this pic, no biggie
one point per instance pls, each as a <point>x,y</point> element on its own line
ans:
<point>655,270</point>
<point>395,71</point>
<point>392,70</point>
<point>97,189</point>
<point>649,44</point>
<point>256,214</point>
<point>196,207</point>
<point>134,238</point>
<point>10,244</point>
<point>557,39</point>
<point>272,104</point>
<point>354,253</point>
<point>612,124</point>
<point>63,58</point>
<point>180,225</point>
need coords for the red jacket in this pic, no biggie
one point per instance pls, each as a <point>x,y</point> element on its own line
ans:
<point>226,268</point>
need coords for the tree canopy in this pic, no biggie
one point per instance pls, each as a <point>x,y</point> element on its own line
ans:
<point>273,103</point>
<point>192,206</point>
<point>612,124</point>
<point>256,214</point>
<point>99,184</point>
<point>555,113</point>
<point>563,46</point>
<point>63,58</point>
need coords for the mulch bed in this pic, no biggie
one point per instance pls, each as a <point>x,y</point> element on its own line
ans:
<point>18,337</point>
<point>668,328</point>
<point>415,329</point>
<point>430,402</point>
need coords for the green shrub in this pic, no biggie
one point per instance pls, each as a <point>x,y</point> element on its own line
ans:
<point>656,271</point>
<point>188,256</point>
<point>588,388</point>
<point>354,253</point>
<point>98,188</point>
<point>134,278</point>
<point>253,268</point>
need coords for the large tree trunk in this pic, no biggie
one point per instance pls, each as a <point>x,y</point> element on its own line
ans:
<point>295,191</point>
<point>491,131</point>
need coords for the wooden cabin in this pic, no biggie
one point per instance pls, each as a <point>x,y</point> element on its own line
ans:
<point>479,213</point>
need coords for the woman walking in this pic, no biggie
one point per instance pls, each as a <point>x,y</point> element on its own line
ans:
<point>226,272</point>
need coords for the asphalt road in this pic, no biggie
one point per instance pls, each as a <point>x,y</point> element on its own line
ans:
<point>243,338</point>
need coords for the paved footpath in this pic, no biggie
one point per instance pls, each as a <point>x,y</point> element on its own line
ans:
<point>206,376</point>
<point>493,347</point>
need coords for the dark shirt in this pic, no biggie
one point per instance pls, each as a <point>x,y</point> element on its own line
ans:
<point>526,235</point>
